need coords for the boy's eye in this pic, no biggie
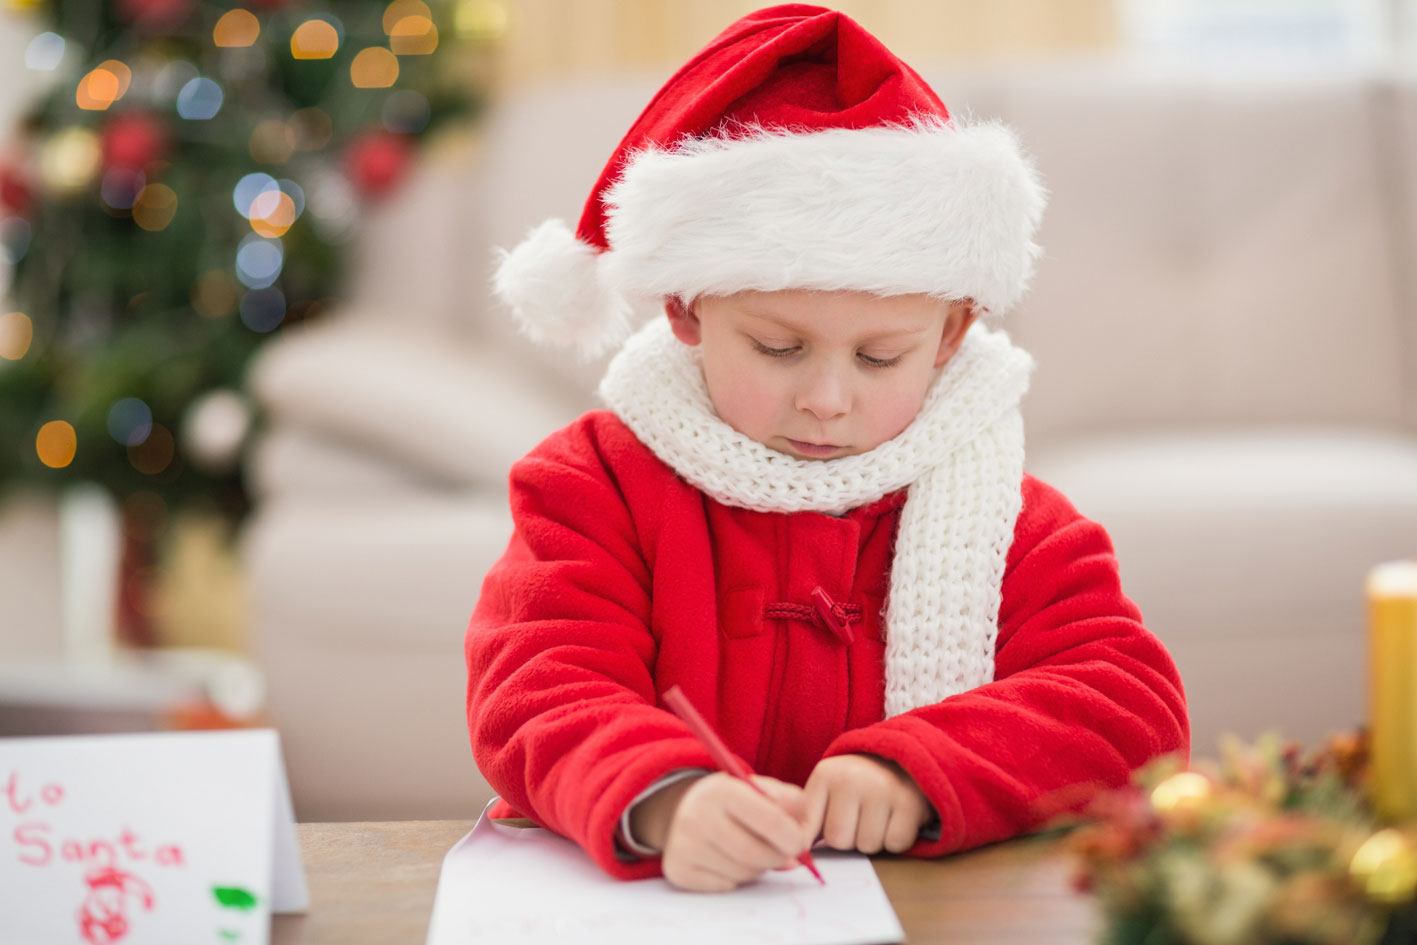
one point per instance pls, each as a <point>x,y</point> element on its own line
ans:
<point>773,352</point>
<point>880,362</point>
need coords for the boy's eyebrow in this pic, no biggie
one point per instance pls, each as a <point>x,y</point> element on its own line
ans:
<point>876,336</point>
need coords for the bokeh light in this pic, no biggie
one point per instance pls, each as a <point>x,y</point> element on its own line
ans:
<point>272,141</point>
<point>103,86</point>
<point>70,159</point>
<point>215,294</point>
<point>374,68</point>
<point>414,36</point>
<point>155,453</point>
<point>402,9</point>
<point>334,205</point>
<point>15,235</point>
<point>171,79</point>
<point>312,128</point>
<point>297,196</point>
<point>56,444</point>
<point>16,335</point>
<point>262,310</point>
<point>199,100</point>
<point>481,21</point>
<point>130,421</point>
<point>45,52</point>
<point>259,261</point>
<point>314,39</point>
<point>406,112</point>
<point>236,28</point>
<point>272,214</point>
<point>155,207</point>
<point>121,72</point>
<point>249,188</point>
<point>121,187</point>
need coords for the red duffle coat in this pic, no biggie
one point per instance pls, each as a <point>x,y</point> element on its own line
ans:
<point>621,580</point>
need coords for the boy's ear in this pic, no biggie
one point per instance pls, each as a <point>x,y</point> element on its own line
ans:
<point>963,314</point>
<point>683,319</point>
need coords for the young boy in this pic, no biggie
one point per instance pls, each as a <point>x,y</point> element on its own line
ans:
<point>806,505</point>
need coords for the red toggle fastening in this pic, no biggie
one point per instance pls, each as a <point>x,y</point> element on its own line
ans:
<point>833,615</point>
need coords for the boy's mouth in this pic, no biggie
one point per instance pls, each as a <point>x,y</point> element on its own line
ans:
<point>813,449</point>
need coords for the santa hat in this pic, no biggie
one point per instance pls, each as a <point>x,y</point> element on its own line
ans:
<point>794,152</point>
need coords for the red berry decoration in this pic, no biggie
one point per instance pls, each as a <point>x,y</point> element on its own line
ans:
<point>154,15</point>
<point>16,194</point>
<point>133,140</point>
<point>376,161</point>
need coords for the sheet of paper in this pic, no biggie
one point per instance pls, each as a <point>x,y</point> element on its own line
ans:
<point>151,838</point>
<point>530,886</point>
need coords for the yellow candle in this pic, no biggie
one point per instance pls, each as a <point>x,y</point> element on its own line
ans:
<point>1392,688</point>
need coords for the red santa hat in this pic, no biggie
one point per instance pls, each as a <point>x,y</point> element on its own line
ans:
<point>793,152</point>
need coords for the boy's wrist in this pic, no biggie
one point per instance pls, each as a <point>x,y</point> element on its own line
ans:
<point>649,819</point>
<point>630,831</point>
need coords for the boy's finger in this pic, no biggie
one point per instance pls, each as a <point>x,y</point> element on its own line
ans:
<point>816,800</point>
<point>839,827</point>
<point>766,820</point>
<point>741,848</point>
<point>789,797</point>
<point>901,832</point>
<point>871,826</point>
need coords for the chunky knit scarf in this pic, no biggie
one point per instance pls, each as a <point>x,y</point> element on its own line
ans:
<point>962,458</point>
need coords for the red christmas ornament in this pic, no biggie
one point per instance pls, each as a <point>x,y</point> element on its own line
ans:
<point>16,194</point>
<point>133,140</point>
<point>154,14</point>
<point>376,161</point>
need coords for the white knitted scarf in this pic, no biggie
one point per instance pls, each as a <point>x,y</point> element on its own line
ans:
<point>962,458</point>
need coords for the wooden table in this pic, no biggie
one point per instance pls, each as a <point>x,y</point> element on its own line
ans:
<point>373,884</point>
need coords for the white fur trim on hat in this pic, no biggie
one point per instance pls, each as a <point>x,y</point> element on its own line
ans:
<point>552,283</point>
<point>933,207</point>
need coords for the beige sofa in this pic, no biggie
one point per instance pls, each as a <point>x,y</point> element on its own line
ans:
<point>1226,332</point>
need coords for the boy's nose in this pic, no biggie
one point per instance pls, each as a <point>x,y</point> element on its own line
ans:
<point>824,394</point>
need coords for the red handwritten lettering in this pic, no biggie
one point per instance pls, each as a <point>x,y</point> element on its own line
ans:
<point>20,802</point>
<point>129,840</point>
<point>12,794</point>
<point>30,835</point>
<point>39,847</point>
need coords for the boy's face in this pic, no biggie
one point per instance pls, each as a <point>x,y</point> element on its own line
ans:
<point>820,375</point>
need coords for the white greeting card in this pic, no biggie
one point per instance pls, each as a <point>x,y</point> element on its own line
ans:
<point>152,838</point>
<point>530,886</point>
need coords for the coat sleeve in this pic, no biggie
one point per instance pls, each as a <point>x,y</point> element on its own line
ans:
<point>1082,693</point>
<point>560,699</point>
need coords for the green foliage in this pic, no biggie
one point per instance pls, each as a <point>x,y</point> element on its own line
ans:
<point>117,308</point>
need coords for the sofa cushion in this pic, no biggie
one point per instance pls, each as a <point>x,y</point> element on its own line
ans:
<point>1213,252</point>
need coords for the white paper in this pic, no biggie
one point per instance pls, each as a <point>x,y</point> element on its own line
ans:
<point>531,886</point>
<point>151,838</point>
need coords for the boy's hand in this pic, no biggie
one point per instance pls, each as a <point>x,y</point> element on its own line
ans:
<point>866,803</point>
<point>717,832</point>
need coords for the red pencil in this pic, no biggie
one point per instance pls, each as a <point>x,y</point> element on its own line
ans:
<point>674,697</point>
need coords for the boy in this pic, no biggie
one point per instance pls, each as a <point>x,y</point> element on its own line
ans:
<point>806,505</point>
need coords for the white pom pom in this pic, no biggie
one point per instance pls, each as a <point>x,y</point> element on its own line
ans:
<point>552,283</point>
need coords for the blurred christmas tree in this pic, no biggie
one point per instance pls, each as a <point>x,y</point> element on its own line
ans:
<point>182,193</point>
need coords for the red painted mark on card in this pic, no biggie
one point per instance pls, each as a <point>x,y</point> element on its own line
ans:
<point>103,915</point>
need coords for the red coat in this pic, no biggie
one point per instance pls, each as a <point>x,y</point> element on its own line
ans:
<point>622,580</point>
